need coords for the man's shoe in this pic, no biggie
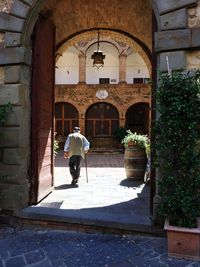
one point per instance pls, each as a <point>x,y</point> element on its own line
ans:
<point>74,181</point>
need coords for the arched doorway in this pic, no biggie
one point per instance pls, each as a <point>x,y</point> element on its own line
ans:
<point>66,117</point>
<point>137,118</point>
<point>102,120</point>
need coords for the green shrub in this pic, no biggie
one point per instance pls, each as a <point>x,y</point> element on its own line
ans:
<point>177,136</point>
<point>120,133</point>
<point>3,112</point>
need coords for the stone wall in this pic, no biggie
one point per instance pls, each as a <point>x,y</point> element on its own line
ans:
<point>121,96</point>
<point>133,17</point>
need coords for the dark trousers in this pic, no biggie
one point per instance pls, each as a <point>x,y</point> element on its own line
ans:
<point>75,166</point>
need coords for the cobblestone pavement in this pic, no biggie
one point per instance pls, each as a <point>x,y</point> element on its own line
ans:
<point>51,248</point>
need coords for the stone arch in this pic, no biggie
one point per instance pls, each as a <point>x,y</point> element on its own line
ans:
<point>121,37</point>
<point>174,39</point>
<point>66,118</point>
<point>137,118</point>
<point>101,119</point>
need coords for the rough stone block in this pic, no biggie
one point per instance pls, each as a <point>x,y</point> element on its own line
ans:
<point>16,94</point>
<point>193,59</point>
<point>14,197</point>
<point>17,74</point>
<point>177,60</point>
<point>12,39</point>
<point>195,40</point>
<point>172,40</point>
<point>32,2</point>
<point>15,55</point>
<point>174,20</point>
<point>12,156</point>
<point>2,75</point>
<point>10,23</point>
<point>2,40</point>
<point>14,173</point>
<point>20,9</point>
<point>18,116</point>
<point>171,5</point>
<point>14,137</point>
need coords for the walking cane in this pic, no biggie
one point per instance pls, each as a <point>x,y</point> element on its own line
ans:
<point>86,169</point>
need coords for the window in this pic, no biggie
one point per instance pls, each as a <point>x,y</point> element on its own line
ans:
<point>104,80</point>
<point>102,119</point>
<point>66,117</point>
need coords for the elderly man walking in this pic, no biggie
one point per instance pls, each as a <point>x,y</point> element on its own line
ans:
<point>75,148</point>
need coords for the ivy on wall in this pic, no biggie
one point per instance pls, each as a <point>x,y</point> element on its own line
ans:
<point>3,113</point>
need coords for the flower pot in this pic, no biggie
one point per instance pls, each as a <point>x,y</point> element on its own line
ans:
<point>135,161</point>
<point>183,242</point>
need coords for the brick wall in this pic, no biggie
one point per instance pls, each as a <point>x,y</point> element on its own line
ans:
<point>122,96</point>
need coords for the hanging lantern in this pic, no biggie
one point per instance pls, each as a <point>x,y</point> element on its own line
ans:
<point>98,56</point>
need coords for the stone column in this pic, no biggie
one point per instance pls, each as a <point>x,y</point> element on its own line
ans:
<point>82,68</point>
<point>122,68</point>
<point>121,118</point>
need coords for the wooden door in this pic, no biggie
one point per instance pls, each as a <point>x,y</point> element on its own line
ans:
<point>42,110</point>
<point>102,119</point>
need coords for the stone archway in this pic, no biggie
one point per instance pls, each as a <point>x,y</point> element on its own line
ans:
<point>101,122</point>
<point>137,118</point>
<point>175,38</point>
<point>66,118</point>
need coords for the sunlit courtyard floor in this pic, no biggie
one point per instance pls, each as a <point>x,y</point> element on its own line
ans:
<point>107,199</point>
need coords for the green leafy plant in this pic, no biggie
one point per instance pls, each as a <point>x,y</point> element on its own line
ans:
<point>55,146</point>
<point>3,112</point>
<point>120,133</point>
<point>138,139</point>
<point>177,136</point>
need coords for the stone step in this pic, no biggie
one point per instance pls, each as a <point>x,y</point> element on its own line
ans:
<point>105,151</point>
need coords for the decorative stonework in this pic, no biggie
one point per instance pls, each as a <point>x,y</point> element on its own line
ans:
<point>122,96</point>
<point>194,16</point>
<point>193,60</point>
<point>6,6</point>
<point>102,94</point>
<point>2,40</point>
<point>2,75</point>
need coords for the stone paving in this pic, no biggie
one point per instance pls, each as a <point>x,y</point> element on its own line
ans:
<point>108,192</point>
<point>108,199</point>
<point>51,248</point>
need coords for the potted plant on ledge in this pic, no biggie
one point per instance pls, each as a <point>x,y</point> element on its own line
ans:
<point>135,158</point>
<point>177,136</point>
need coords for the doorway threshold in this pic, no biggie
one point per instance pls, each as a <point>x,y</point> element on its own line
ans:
<point>88,219</point>
<point>106,201</point>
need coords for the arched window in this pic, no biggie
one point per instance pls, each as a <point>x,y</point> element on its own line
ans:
<point>137,118</point>
<point>66,117</point>
<point>102,119</point>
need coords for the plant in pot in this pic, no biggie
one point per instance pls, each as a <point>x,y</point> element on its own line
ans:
<point>135,158</point>
<point>177,135</point>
